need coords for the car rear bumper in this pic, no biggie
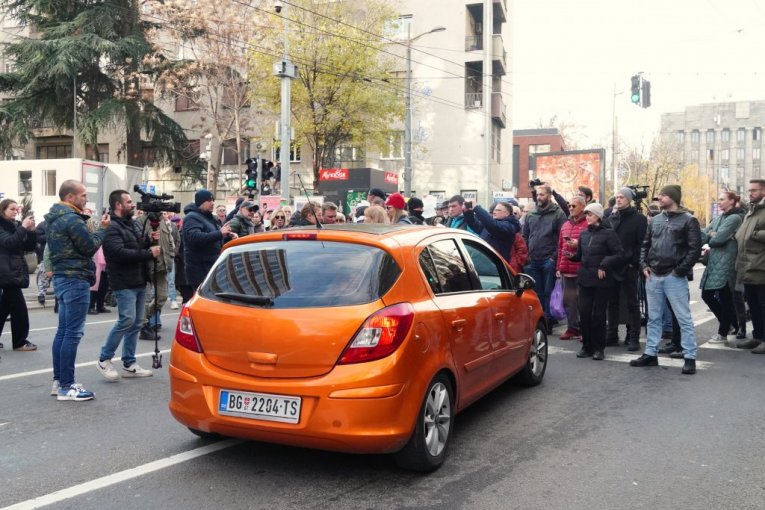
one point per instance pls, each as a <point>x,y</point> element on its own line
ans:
<point>354,408</point>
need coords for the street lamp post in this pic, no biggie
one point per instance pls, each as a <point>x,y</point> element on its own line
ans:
<point>408,117</point>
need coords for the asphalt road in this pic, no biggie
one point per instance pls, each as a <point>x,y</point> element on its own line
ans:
<point>594,435</point>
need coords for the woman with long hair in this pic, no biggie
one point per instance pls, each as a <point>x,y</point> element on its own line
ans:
<point>15,239</point>
<point>375,214</point>
<point>719,278</point>
<point>279,220</point>
<point>396,206</point>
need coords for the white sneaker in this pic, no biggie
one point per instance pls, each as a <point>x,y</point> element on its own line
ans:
<point>54,389</point>
<point>107,370</point>
<point>718,339</point>
<point>136,371</point>
<point>173,305</point>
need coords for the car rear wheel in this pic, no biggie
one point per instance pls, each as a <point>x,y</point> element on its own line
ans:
<point>534,371</point>
<point>426,449</point>
<point>203,434</point>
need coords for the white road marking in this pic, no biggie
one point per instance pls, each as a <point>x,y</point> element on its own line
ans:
<point>50,328</point>
<point>128,474</point>
<point>78,365</point>
<point>626,358</point>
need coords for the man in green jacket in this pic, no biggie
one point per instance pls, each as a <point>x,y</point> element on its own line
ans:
<point>750,264</point>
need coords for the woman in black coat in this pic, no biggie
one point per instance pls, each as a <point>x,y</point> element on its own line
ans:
<point>15,239</point>
<point>600,251</point>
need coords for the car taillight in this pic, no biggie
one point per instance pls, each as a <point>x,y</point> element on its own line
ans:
<point>299,236</point>
<point>380,335</point>
<point>184,332</point>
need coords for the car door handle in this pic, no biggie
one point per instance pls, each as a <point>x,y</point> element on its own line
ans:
<point>459,324</point>
<point>499,316</point>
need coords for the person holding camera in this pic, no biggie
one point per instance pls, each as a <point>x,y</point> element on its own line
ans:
<point>559,199</point>
<point>498,227</point>
<point>201,237</point>
<point>127,254</point>
<point>630,226</point>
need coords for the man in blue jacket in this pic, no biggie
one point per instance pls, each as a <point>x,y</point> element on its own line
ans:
<point>497,228</point>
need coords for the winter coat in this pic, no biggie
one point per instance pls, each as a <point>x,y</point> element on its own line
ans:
<point>630,226</point>
<point>721,264</point>
<point>416,219</point>
<point>520,254</point>
<point>241,226</point>
<point>672,244</point>
<point>459,223</point>
<point>166,242</point>
<point>500,234</point>
<point>71,244</point>
<point>40,246</point>
<point>14,241</point>
<point>541,231</point>
<point>127,254</point>
<point>750,261</point>
<point>202,242</point>
<point>571,229</point>
<point>599,248</point>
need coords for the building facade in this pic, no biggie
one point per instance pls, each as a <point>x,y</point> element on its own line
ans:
<point>723,139</point>
<point>526,143</point>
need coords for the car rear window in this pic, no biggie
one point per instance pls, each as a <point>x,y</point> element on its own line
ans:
<point>301,274</point>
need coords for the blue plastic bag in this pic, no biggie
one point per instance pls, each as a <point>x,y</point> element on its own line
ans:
<point>557,310</point>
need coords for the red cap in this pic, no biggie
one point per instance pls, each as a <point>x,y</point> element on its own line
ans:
<point>396,200</point>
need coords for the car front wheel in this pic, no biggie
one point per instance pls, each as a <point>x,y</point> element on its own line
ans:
<point>426,449</point>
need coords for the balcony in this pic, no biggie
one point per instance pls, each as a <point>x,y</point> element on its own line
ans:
<point>473,100</point>
<point>500,10</point>
<point>474,43</point>
<point>498,108</point>
<point>498,55</point>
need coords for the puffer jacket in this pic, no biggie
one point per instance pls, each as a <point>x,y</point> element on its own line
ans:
<point>572,229</point>
<point>241,226</point>
<point>14,241</point>
<point>541,231</point>
<point>672,244</point>
<point>750,261</point>
<point>599,248</point>
<point>720,236</point>
<point>71,244</point>
<point>500,234</point>
<point>202,242</point>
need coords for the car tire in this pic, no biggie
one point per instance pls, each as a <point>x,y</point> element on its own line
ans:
<point>536,365</point>
<point>204,435</point>
<point>426,449</point>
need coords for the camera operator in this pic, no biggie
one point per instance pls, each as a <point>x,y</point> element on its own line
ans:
<point>562,203</point>
<point>630,226</point>
<point>157,231</point>
<point>201,237</point>
<point>127,253</point>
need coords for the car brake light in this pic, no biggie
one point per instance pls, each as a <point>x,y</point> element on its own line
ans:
<point>299,236</point>
<point>184,332</point>
<point>380,335</point>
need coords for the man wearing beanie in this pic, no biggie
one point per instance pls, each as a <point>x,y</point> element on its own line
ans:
<point>671,248</point>
<point>415,208</point>
<point>630,227</point>
<point>202,238</point>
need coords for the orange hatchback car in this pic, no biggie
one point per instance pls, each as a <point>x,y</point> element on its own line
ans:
<point>355,338</point>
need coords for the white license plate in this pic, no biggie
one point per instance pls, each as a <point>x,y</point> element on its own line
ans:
<point>260,406</point>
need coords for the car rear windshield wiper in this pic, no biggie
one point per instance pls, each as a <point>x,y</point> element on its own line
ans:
<point>246,298</point>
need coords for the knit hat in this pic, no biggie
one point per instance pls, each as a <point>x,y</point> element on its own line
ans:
<point>596,209</point>
<point>628,193</point>
<point>415,204</point>
<point>175,218</point>
<point>377,192</point>
<point>202,196</point>
<point>396,200</point>
<point>673,191</point>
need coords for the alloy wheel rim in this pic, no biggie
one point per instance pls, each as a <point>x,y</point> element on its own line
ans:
<point>538,354</point>
<point>437,419</point>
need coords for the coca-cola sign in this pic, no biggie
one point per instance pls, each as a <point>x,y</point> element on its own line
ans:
<point>391,178</point>
<point>333,174</point>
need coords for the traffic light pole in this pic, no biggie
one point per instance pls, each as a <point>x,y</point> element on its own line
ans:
<point>284,150</point>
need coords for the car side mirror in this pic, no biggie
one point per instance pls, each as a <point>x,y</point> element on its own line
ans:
<point>524,282</point>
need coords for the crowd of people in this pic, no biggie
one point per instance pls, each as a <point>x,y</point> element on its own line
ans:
<point>604,258</point>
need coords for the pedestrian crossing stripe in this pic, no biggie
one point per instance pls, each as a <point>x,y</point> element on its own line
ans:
<point>626,358</point>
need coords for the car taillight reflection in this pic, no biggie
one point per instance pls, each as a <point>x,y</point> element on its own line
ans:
<point>184,332</point>
<point>380,335</point>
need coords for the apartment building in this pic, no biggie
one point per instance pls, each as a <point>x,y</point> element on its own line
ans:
<point>723,139</point>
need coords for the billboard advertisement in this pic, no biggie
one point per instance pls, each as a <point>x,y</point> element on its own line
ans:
<point>567,170</point>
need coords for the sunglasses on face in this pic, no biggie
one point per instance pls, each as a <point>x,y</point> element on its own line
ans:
<point>278,217</point>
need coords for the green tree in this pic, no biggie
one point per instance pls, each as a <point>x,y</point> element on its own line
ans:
<point>343,94</point>
<point>98,51</point>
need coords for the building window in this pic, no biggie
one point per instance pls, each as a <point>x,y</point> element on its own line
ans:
<point>399,28</point>
<point>725,135</point>
<point>741,135</point>
<point>756,154</point>
<point>395,148</point>
<point>695,156</point>
<point>49,183</point>
<point>725,154</point>
<point>25,182</point>
<point>740,154</point>
<point>757,134</point>
<point>680,137</point>
<point>695,137</point>
<point>348,154</point>
<point>54,151</point>
<point>535,149</point>
<point>229,152</point>
<point>724,174</point>
<point>496,143</point>
<point>294,153</point>
<point>185,104</point>
<point>710,136</point>
<point>103,152</point>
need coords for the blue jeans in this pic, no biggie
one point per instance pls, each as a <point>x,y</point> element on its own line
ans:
<point>675,289</point>
<point>171,294</point>
<point>73,296</point>
<point>666,318</point>
<point>130,306</point>
<point>543,272</point>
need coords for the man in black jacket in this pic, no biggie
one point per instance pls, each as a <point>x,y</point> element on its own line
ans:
<point>630,226</point>
<point>671,248</point>
<point>126,257</point>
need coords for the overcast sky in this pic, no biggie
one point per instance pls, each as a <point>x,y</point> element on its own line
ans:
<point>568,55</point>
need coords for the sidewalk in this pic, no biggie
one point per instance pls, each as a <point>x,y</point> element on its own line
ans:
<point>30,296</point>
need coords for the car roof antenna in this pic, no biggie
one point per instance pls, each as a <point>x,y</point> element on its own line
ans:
<point>318,223</point>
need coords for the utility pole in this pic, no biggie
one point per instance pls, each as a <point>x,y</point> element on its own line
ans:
<point>287,71</point>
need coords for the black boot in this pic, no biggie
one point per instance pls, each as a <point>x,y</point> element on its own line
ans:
<point>645,361</point>
<point>689,367</point>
